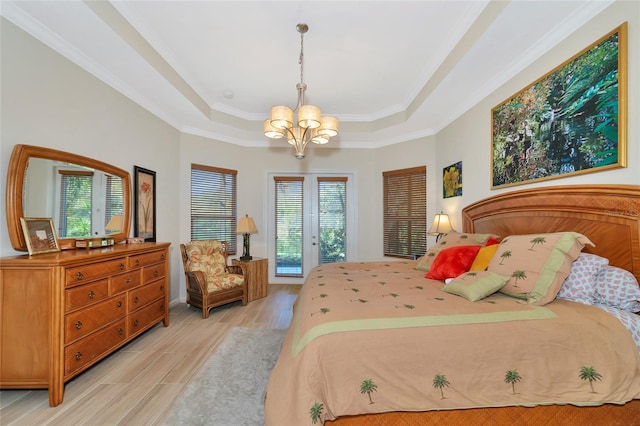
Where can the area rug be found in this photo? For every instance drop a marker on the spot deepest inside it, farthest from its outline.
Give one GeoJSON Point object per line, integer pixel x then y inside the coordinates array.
{"type": "Point", "coordinates": [229, 390]}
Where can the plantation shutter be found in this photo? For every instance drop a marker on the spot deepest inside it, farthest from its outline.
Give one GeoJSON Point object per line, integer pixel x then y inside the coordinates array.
{"type": "Point", "coordinates": [332, 219]}
{"type": "Point", "coordinates": [289, 225]}
{"type": "Point", "coordinates": [213, 205]}
{"type": "Point", "coordinates": [405, 212]}
{"type": "Point", "coordinates": [76, 192]}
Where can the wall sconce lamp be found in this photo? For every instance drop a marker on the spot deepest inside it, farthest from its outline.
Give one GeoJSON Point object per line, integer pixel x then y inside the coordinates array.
{"type": "Point", "coordinates": [246, 227]}
{"type": "Point", "coordinates": [114, 225]}
{"type": "Point", "coordinates": [440, 226]}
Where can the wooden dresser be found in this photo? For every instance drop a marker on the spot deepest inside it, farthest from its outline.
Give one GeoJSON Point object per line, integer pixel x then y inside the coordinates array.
{"type": "Point", "coordinates": [62, 312]}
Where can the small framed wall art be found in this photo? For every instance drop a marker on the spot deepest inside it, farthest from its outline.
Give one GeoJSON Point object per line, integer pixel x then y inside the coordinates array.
{"type": "Point", "coordinates": [40, 235]}
{"type": "Point", "coordinates": [144, 214]}
{"type": "Point", "coordinates": [452, 180]}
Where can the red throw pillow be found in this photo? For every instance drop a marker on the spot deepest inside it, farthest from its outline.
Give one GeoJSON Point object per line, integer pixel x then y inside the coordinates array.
{"type": "Point", "coordinates": [491, 241]}
{"type": "Point", "coordinates": [452, 261]}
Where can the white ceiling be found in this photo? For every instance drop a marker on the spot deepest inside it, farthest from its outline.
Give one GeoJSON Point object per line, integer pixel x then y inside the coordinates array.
{"type": "Point", "coordinates": [391, 71]}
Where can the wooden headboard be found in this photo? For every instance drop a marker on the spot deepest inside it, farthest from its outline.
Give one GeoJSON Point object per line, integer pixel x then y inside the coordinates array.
{"type": "Point", "coordinates": [609, 215]}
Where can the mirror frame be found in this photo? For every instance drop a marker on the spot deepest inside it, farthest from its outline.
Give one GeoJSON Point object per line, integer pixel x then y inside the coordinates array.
{"type": "Point", "coordinates": [15, 190]}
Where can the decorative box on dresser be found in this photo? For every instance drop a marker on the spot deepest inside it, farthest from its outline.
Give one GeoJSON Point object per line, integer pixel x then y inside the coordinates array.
{"type": "Point", "coordinates": [62, 312]}
{"type": "Point", "coordinates": [256, 273]}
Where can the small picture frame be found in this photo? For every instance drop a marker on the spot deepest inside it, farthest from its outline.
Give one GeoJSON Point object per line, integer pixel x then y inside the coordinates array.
{"type": "Point", "coordinates": [144, 212]}
{"type": "Point", "coordinates": [40, 235]}
{"type": "Point", "coordinates": [452, 180]}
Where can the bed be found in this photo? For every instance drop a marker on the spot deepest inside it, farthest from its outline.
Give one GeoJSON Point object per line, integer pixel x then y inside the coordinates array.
{"type": "Point", "coordinates": [378, 343]}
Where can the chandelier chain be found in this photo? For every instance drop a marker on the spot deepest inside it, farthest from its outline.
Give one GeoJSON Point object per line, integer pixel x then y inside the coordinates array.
{"type": "Point", "coordinates": [301, 59]}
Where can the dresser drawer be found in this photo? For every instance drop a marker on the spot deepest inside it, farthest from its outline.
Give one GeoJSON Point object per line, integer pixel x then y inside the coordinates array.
{"type": "Point", "coordinates": [84, 322]}
{"type": "Point", "coordinates": [83, 274]}
{"type": "Point", "coordinates": [86, 350]}
{"type": "Point", "coordinates": [152, 272]}
{"type": "Point", "coordinates": [122, 282]}
{"type": "Point", "coordinates": [141, 319]}
{"type": "Point", "coordinates": [146, 259]}
{"type": "Point", "coordinates": [77, 297]}
{"type": "Point", "coordinates": [148, 293]}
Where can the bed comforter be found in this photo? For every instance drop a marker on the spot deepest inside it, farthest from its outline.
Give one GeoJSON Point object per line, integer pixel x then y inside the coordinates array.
{"type": "Point", "coordinates": [378, 337]}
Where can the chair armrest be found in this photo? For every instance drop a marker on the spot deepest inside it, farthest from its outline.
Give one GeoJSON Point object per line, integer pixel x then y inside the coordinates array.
{"type": "Point", "coordinates": [196, 280]}
{"type": "Point", "coordinates": [235, 269]}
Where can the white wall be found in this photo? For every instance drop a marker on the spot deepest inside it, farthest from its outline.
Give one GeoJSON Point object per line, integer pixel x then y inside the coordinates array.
{"type": "Point", "coordinates": [253, 165]}
{"type": "Point", "coordinates": [48, 101]}
{"type": "Point", "coordinates": [468, 139]}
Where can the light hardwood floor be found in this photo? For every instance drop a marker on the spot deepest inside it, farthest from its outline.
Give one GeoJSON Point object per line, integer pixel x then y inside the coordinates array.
{"type": "Point", "coordinates": [138, 384]}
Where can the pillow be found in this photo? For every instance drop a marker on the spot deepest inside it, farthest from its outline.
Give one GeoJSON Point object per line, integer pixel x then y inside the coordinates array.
{"type": "Point", "coordinates": [491, 241]}
{"type": "Point", "coordinates": [452, 261]}
{"type": "Point", "coordinates": [474, 286]}
{"type": "Point", "coordinates": [483, 258]}
{"type": "Point", "coordinates": [537, 264]}
{"type": "Point", "coordinates": [618, 288]}
{"type": "Point", "coordinates": [451, 239]}
{"type": "Point", "coordinates": [580, 285]}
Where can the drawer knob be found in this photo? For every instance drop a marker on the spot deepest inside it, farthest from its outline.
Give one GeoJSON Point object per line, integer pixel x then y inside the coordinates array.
{"type": "Point", "coordinates": [135, 323]}
{"type": "Point", "coordinates": [137, 262]}
{"type": "Point", "coordinates": [162, 288]}
{"type": "Point", "coordinates": [156, 273]}
{"type": "Point", "coordinates": [79, 276]}
{"type": "Point", "coordinates": [121, 266]}
{"type": "Point", "coordinates": [128, 280]}
{"type": "Point", "coordinates": [119, 304]}
{"type": "Point", "coordinates": [120, 332]}
{"type": "Point", "coordinates": [91, 294]}
{"type": "Point", "coordinates": [78, 356]}
{"type": "Point", "coordinates": [78, 325]}
{"type": "Point", "coordinates": [135, 299]}
{"type": "Point", "coordinates": [162, 256]}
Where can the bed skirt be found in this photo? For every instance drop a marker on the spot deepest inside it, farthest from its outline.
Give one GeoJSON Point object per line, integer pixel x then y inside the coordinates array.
{"type": "Point", "coordinates": [604, 415]}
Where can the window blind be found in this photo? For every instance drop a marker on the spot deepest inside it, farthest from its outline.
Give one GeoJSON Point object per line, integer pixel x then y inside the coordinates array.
{"type": "Point", "coordinates": [332, 218]}
{"type": "Point", "coordinates": [289, 225]}
{"type": "Point", "coordinates": [213, 205]}
{"type": "Point", "coordinates": [405, 212]}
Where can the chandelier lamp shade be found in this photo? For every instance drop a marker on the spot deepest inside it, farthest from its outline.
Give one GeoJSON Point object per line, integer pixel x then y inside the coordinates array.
{"type": "Point", "coordinates": [309, 125]}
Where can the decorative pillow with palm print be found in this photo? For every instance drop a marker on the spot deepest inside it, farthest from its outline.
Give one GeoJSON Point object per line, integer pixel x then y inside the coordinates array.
{"type": "Point", "coordinates": [452, 239]}
{"type": "Point", "coordinates": [537, 264]}
{"type": "Point", "coordinates": [476, 285]}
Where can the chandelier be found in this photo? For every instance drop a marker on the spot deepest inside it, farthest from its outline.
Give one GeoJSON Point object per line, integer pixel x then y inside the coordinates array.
{"type": "Point", "coordinates": [311, 125]}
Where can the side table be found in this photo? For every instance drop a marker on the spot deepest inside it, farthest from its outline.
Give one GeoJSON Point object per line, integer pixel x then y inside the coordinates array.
{"type": "Point", "coordinates": [256, 274]}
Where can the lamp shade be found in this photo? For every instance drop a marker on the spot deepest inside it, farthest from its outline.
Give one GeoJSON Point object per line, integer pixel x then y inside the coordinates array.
{"type": "Point", "coordinates": [272, 132]}
{"type": "Point", "coordinates": [328, 126]}
{"type": "Point", "coordinates": [309, 116]}
{"type": "Point", "coordinates": [281, 117]}
{"type": "Point", "coordinates": [246, 226]}
{"type": "Point", "coordinates": [440, 225]}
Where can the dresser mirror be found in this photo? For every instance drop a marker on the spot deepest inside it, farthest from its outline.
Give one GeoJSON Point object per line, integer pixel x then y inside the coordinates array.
{"type": "Point", "coordinates": [86, 198]}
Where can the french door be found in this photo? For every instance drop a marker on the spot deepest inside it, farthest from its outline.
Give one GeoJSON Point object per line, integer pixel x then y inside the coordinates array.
{"type": "Point", "coordinates": [312, 222]}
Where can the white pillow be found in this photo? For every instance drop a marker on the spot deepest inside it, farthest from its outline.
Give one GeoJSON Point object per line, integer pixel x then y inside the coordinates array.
{"type": "Point", "coordinates": [580, 285]}
{"type": "Point", "coordinates": [617, 287]}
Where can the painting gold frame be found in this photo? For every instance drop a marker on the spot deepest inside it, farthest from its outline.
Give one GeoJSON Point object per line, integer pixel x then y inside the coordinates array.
{"type": "Point", "coordinates": [40, 235]}
{"type": "Point", "coordinates": [571, 121]}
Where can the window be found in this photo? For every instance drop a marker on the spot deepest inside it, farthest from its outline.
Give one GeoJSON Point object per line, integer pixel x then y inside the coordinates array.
{"type": "Point", "coordinates": [76, 193]}
{"type": "Point", "coordinates": [332, 218]}
{"type": "Point", "coordinates": [289, 225]}
{"type": "Point", "coordinates": [213, 205]}
{"type": "Point", "coordinates": [405, 212]}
